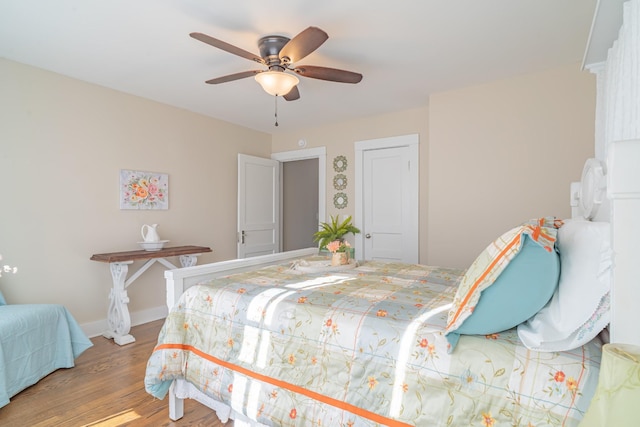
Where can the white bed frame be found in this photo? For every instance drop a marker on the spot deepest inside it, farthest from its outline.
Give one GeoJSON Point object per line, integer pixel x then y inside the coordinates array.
{"type": "Point", "coordinates": [617, 144]}
{"type": "Point", "coordinates": [613, 55]}
{"type": "Point", "coordinates": [180, 279]}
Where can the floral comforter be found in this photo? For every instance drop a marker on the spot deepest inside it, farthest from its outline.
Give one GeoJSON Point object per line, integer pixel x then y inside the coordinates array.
{"type": "Point", "coordinates": [360, 347]}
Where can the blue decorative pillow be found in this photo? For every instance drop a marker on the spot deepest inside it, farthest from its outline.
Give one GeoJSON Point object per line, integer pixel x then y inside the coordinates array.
{"type": "Point", "coordinates": [521, 290]}
{"type": "Point", "coordinates": [2, 300]}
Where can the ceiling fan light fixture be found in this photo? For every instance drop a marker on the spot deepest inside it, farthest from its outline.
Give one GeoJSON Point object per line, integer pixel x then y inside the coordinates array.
{"type": "Point", "coordinates": [276, 83]}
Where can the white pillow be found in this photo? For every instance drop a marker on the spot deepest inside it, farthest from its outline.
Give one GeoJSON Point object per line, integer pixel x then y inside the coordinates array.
{"type": "Point", "coordinates": [579, 309]}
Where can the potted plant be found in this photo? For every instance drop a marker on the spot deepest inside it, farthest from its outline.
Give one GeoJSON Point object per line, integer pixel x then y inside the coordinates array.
{"type": "Point", "coordinates": [334, 230]}
{"type": "Point", "coordinates": [340, 251]}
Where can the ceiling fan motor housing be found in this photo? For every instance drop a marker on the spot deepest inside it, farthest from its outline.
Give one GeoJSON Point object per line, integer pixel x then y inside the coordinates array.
{"type": "Point", "coordinates": [270, 47]}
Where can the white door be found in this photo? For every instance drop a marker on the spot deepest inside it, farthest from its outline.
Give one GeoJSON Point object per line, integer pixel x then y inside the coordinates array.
{"type": "Point", "coordinates": [388, 169]}
{"type": "Point", "coordinates": [258, 206]}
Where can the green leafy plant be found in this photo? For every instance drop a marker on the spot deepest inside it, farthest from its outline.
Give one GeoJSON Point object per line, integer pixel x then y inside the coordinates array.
{"type": "Point", "coordinates": [334, 230]}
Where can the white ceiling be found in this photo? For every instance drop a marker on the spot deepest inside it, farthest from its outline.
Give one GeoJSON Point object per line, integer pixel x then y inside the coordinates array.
{"type": "Point", "coordinates": [406, 49]}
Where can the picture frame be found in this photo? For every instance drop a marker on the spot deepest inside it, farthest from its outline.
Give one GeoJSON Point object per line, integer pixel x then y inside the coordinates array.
{"type": "Point", "coordinates": [340, 181]}
{"type": "Point", "coordinates": [340, 200]}
{"type": "Point", "coordinates": [143, 190]}
{"type": "Point", "coordinates": [340, 164]}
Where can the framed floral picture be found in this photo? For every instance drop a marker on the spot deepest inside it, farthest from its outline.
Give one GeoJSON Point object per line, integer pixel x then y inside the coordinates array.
{"type": "Point", "coordinates": [143, 190]}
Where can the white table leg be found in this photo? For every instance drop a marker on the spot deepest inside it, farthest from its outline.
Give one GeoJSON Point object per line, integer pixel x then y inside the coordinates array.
{"type": "Point", "coordinates": [189, 260]}
{"type": "Point", "coordinates": [118, 319]}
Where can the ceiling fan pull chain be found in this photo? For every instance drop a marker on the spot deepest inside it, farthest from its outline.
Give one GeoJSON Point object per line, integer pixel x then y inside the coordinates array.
{"type": "Point", "coordinates": [276, 97]}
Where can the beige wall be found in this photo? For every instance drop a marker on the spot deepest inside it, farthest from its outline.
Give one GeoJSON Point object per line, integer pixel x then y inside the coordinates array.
{"type": "Point", "coordinates": [502, 153]}
{"type": "Point", "coordinates": [491, 156]}
{"type": "Point", "coordinates": [339, 140]}
{"type": "Point", "coordinates": [62, 144]}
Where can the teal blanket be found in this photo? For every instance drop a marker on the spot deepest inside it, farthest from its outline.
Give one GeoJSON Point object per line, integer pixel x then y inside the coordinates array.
{"type": "Point", "coordinates": [35, 340]}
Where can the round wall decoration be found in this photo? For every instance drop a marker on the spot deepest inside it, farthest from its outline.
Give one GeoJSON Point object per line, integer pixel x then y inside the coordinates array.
{"type": "Point", "coordinates": [340, 164]}
{"type": "Point", "coordinates": [340, 181]}
{"type": "Point", "coordinates": [340, 200]}
{"type": "Point", "coordinates": [593, 188]}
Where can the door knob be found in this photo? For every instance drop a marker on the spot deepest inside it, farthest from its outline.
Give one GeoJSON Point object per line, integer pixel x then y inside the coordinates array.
{"type": "Point", "coordinates": [368, 236]}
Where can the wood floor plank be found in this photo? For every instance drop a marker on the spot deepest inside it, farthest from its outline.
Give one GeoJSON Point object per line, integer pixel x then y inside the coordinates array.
{"type": "Point", "coordinates": [104, 389]}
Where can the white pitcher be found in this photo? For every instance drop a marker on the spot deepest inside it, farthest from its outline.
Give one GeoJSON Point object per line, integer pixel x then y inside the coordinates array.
{"type": "Point", "coordinates": [150, 233]}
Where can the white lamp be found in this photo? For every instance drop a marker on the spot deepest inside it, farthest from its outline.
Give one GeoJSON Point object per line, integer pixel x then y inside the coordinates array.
{"type": "Point", "coordinates": [276, 83]}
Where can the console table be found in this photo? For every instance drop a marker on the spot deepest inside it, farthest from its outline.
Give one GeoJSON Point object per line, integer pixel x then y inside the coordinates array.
{"type": "Point", "coordinates": [118, 319]}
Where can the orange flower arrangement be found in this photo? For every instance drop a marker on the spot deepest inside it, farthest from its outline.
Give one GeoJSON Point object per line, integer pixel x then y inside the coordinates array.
{"type": "Point", "coordinates": [338, 246]}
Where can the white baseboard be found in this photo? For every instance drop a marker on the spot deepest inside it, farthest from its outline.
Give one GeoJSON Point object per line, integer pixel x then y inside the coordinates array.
{"type": "Point", "coordinates": [94, 329]}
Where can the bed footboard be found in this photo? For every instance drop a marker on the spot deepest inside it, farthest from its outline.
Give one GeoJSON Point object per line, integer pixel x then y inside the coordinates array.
{"type": "Point", "coordinates": [178, 280]}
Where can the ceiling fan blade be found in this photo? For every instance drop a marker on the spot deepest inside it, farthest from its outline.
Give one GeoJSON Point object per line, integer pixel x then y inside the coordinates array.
{"type": "Point", "coordinates": [303, 44]}
{"type": "Point", "coordinates": [331, 74]}
{"type": "Point", "coordinates": [226, 47]}
{"type": "Point", "coordinates": [293, 94]}
{"type": "Point", "coordinates": [232, 77]}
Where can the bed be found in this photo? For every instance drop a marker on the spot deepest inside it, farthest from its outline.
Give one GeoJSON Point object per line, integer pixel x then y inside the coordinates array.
{"type": "Point", "coordinates": [35, 340]}
{"type": "Point", "coordinates": [270, 341]}
{"type": "Point", "coordinates": [277, 346]}
{"type": "Point", "coordinates": [288, 339]}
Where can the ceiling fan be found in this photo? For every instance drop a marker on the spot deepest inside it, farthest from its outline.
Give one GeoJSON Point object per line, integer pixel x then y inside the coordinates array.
{"type": "Point", "coordinates": [279, 54]}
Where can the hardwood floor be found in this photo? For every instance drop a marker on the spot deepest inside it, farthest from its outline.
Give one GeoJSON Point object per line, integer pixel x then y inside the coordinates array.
{"type": "Point", "coordinates": [104, 389]}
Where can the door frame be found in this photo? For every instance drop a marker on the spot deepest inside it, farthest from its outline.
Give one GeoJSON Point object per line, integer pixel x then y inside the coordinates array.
{"type": "Point", "coordinates": [319, 153]}
{"type": "Point", "coordinates": [411, 141]}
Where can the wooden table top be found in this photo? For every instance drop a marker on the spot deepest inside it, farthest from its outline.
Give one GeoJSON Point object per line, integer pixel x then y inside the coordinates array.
{"type": "Point", "coordinates": [142, 254]}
